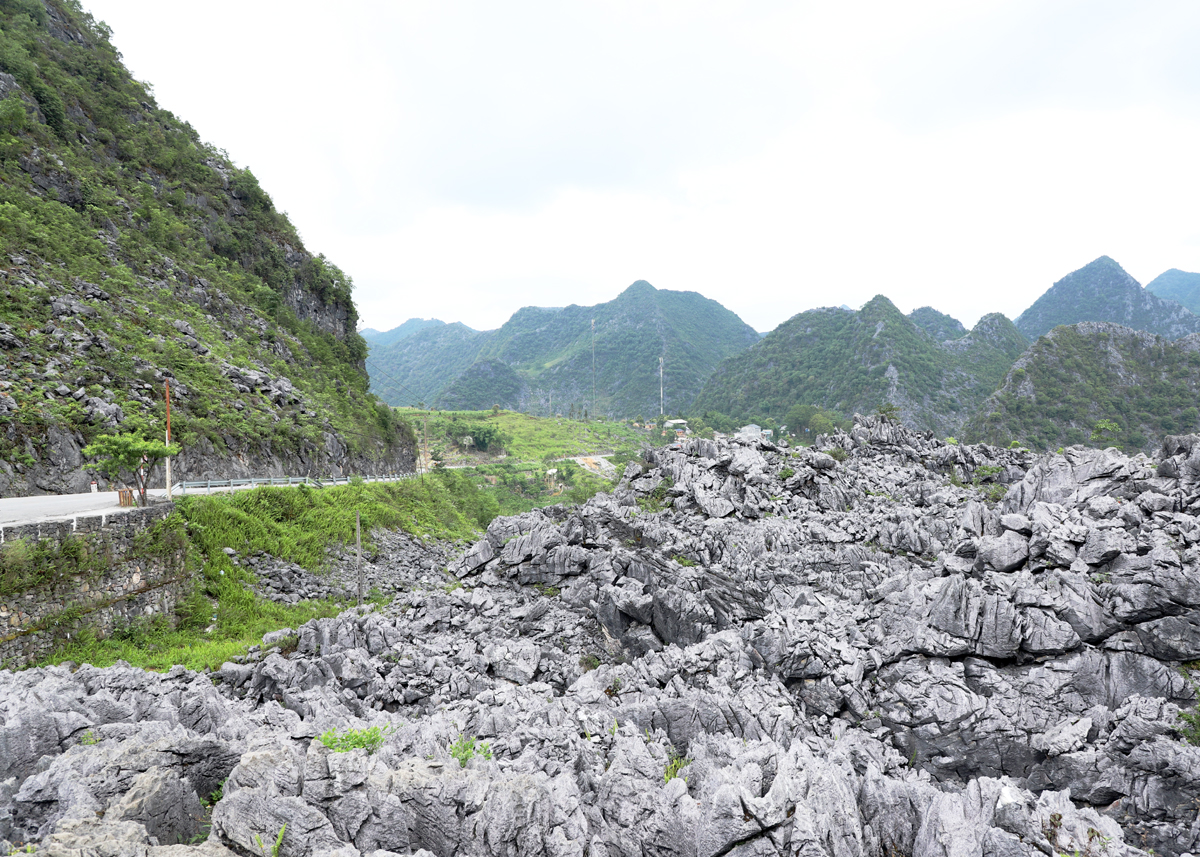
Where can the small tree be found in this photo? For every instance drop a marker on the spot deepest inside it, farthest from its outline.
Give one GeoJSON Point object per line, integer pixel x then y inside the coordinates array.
{"type": "Point", "coordinates": [1105, 432]}
{"type": "Point", "coordinates": [889, 411]}
{"type": "Point", "coordinates": [135, 452]}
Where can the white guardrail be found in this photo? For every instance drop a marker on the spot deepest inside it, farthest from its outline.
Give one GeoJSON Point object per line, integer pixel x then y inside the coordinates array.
{"type": "Point", "coordinates": [208, 485]}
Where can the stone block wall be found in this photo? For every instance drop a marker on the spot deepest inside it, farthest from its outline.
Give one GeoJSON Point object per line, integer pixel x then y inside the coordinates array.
{"type": "Point", "coordinates": [130, 585]}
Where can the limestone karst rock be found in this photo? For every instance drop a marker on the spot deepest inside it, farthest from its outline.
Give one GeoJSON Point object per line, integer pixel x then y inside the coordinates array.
{"type": "Point", "coordinates": [873, 656]}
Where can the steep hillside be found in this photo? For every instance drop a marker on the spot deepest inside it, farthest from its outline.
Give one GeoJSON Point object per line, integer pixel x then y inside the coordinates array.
{"type": "Point", "coordinates": [387, 337]}
{"type": "Point", "coordinates": [855, 361]}
{"type": "Point", "coordinates": [1182, 287]}
{"type": "Point", "coordinates": [937, 324]}
{"type": "Point", "coordinates": [549, 352]}
{"type": "Point", "coordinates": [1102, 291]}
{"type": "Point", "coordinates": [416, 369]}
{"type": "Point", "coordinates": [1075, 376]}
{"type": "Point", "coordinates": [484, 384]}
{"type": "Point", "coordinates": [132, 252]}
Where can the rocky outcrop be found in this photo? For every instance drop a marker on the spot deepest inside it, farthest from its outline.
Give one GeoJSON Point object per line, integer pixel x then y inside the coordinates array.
{"type": "Point", "coordinates": [743, 650]}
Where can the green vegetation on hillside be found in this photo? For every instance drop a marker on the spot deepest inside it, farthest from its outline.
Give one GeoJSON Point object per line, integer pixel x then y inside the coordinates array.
{"type": "Point", "coordinates": [541, 354]}
{"type": "Point", "coordinates": [844, 362]}
{"type": "Point", "coordinates": [1183, 287]}
{"type": "Point", "coordinates": [937, 324]}
{"type": "Point", "coordinates": [296, 524]}
{"type": "Point", "coordinates": [1102, 291]}
{"type": "Point", "coordinates": [1076, 376]}
{"type": "Point", "coordinates": [131, 251]}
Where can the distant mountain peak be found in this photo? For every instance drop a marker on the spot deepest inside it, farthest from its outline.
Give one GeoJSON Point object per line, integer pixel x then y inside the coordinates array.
{"type": "Point", "coordinates": [637, 288]}
{"type": "Point", "coordinates": [1177, 285]}
{"type": "Point", "coordinates": [1103, 291]}
{"type": "Point", "coordinates": [937, 324]}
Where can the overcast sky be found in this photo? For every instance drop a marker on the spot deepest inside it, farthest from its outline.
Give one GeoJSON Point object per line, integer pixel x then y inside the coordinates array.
{"type": "Point", "coordinates": [461, 160]}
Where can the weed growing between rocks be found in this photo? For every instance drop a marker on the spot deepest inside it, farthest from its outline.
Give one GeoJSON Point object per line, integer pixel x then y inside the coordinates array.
{"type": "Point", "coordinates": [465, 749]}
{"type": "Point", "coordinates": [273, 850]}
{"type": "Point", "coordinates": [675, 764]}
{"type": "Point", "coordinates": [343, 741]}
{"type": "Point", "coordinates": [1190, 720]}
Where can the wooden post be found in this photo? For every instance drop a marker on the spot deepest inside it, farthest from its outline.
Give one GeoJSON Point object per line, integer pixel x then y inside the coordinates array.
{"type": "Point", "coordinates": [358, 545]}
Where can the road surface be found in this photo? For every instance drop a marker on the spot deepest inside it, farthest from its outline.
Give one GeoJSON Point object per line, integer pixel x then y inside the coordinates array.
{"type": "Point", "coordinates": [60, 507]}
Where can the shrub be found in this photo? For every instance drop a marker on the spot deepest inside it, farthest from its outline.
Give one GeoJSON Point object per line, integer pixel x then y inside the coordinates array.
{"type": "Point", "coordinates": [465, 749]}
{"type": "Point", "coordinates": [370, 739]}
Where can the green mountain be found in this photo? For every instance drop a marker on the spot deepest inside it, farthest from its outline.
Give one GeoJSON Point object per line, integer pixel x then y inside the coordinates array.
{"type": "Point", "coordinates": [1102, 291]}
{"type": "Point", "coordinates": [132, 252]}
{"type": "Point", "coordinates": [548, 353]}
{"type": "Point", "coordinates": [387, 337]}
{"type": "Point", "coordinates": [1077, 375]}
{"type": "Point", "coordinates": [937, 324]}
{"type": "Point", "coordinates": [1179, 286]}
{"type": "Point", "coordinates": [856, 361]}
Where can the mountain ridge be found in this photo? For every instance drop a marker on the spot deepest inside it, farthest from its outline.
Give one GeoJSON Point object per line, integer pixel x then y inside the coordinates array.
{"type": "Point", "coordinates": [1102, 291]}
{"type": "Point", "coordinates": [549, 353]}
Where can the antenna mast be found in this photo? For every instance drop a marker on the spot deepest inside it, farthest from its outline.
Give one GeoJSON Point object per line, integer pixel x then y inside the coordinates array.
{"type": "Point", "coordinates": [660, 386]}
{"type": "Point", "coordinates": [593, 368]}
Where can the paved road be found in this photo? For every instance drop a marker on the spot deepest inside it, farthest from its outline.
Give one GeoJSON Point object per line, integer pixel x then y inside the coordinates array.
{"type": "Point", "coordinates": [60, 507]}
{"type": "Point", "coordinates": [64, 507]}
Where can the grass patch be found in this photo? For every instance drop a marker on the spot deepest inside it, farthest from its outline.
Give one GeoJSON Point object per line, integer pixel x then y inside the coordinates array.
{"type": "Point", "coordinates": [529, 438]}
{"type": "Point", "coordinates": [222, 617]}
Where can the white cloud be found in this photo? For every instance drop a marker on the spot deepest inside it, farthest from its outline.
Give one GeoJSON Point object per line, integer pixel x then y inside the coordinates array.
{"type": "Point", "coordinates": [461, 160]}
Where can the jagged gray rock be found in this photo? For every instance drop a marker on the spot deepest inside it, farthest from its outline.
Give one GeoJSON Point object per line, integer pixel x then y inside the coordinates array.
{"type": "Point", "coordinates": [872, 656]}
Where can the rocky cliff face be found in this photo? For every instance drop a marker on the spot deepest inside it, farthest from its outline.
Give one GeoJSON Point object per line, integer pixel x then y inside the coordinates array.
{"type": "Point", "coordinates": [896, 646]}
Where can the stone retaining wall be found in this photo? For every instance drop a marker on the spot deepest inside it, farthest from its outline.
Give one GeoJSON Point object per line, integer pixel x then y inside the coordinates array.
{"type": "Point", "coordinates": [131, 585]}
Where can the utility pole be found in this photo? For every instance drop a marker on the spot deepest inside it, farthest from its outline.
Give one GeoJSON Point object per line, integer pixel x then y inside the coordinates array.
{"type": "Point", "coordinates": [660, 385]}
{"type": "Point", "coordinates": [593, 368]}
{"type": "Point", "coordinates": [167, 387]}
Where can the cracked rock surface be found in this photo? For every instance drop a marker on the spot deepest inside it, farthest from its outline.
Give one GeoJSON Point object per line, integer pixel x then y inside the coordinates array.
{"type": "Point", "coordinates": [743, 650]}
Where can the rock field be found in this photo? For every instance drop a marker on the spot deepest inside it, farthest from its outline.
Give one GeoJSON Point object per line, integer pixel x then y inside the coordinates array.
{"type": "Point", "coordinates": [922, 649]}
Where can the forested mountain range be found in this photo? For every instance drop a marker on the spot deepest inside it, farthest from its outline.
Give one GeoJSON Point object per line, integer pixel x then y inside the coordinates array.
{"type": "Point", "coordinates": [1077, 375]}
{"type": "Point", "coordinates": [543, 354]}
{"type": "Point", "coordinates": [850, 361]}
{"type": "Point", "coordinates": [132, 252]}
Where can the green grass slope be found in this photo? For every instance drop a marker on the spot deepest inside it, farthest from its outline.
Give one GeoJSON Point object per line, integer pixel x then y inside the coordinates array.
{"type": "Point", "coordinates": [131, 251]}
{"type": "Point", "coordinates": [1077, 375]}
{"type": "Point", "coordinates": [1102, 291]}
